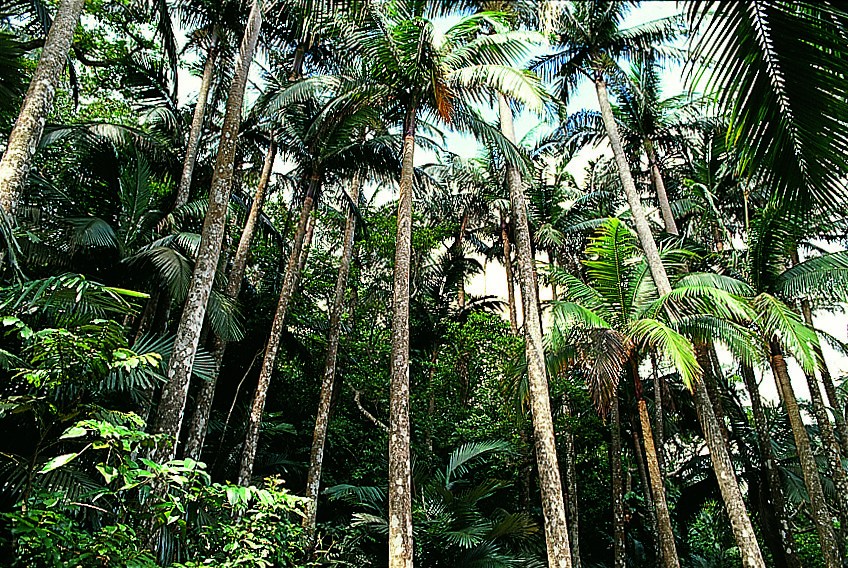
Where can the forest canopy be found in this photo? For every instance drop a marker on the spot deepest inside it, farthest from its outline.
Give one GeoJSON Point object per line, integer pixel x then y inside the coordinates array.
{"type": "Point", "coordinates": [396, 283]}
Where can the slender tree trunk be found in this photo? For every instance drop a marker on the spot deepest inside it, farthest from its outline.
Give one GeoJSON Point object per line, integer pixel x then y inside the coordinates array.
{"type": "Point", "coordinates": [510, 281]}
{"type": "Point", "coordinates": [553, 509]}
{"type": "Point", "coordinates": [172, 407]}
{"type": "Point", "coordinates": [304, 254]}
{"type": "Point", "coordinates": [197, 120]}
{"type": "Point", "coordinates": [206, 395]}
{"type": "Point", "coordinates": [788, 547]}
{"type": "Point", "coordinates": [643, 229]}
{"type": "Point", "coordinates": [818, 506]}
{"type": "Point", "coordinates": [650, 506]}
{"type": "Point", "coordinates": [830, 445]}
{"type": "Point", "coordinates": [619, 547]}
{"type": "Point", "coordinates": [659, 421]}
{"type": "Point", "coordinates": [830, 390]}
{"type": "Point", "coordinates": [662, 196]}
{"type": "Point", "coordinates": [322, 418]}
{"type": "Point", "coordinates": [400, 466]}
{"type": "Point", "coordinates": [431, 405]}
{"type": "Point", "coordinates": [251, 438]}
{"type": "Point", "coordinates": [666, 536]}
{"type": "Point", "coordinates": [740, 523]}
{"type": "Point", "coordinates": [525, 470]}
{"type": "Point", "coordinates": [572, 505]}
{"type": "Point", "coordinates": [37, 105]}
{"type": "Point", "coordinates": [660, 278]}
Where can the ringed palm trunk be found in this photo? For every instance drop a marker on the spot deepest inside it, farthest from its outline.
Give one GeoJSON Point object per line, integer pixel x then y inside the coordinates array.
{"type": "Point", "coordinates": [749, 550]}
{"type": "Point", "coordinates": [818, 506]}
{"type": "Point", "coordinates": [830, 443]}
{"type": "Point", "coordinates": [642, 469]}
{"type": "Point", "coordinates": [510, 280]}
{"type": "Point", "coordinates": [550, 484]}
{"type": "Point", "coordinates": [659, 184]}
{"type": "Point", "coordinates": [400, 467]}
{"type": "Point", "coordinates": [572, 505]}
{"type": "Point", "coordinates": [734, 504]}
{"type": "Point", "coordinates": [20, 148]}
{"type": "Point", "coordinates": [322, 418]}
{"type": "Point", "coordinates": [619, 549]}
{"type": "Point", "coordinates": [197, 120]}
{"type": "Point", "coordinates": [666, 535]}
{"type": "Point", "coordinates": [788, 547]}
{"type": "Point", "coordinates": [170, 413]}
{"type": "Point", "coordinates": [200, 419]}
{"type": "Point", "coordinates": [251, 438]}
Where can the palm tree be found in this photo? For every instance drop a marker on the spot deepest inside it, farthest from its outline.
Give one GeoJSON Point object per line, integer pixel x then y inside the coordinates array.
{"type": "Point", "coordinates": [20, 148]}
{"type": "Point", "coordinates": [773, 242]}
{"type": "Point", "coordinates": [321, 129]}
{"type": "Point", "coordinates": [592, 40]}
{"type": "Point", "coordinates": [618, 309]}
{"type": "Point", "coordinates": [441, 75]}
{"type": "Point", "coordinates": [169, 415]}
{"type": "Point", "coordinates": [322, 417]}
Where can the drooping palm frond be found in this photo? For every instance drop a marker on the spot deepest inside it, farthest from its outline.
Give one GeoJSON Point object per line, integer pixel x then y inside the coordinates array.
{"type": "Point", "coordinates": [777, 69]}
{"type": "Point", "coordinates": [66, 295]}
{"type": "Point", "coordinates": [778, 320]}
{"type": "Point", "coordinates": [822, 278]}
{"type": "Point", "coordinates": [459, 458]}
{"type": "Point", "coordinates": [664, 339]}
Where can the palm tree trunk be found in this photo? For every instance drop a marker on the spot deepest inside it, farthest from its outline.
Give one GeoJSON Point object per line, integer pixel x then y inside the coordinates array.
{"type": "Point", "coordinates": [510, 281]}
{"type": "Point", "coordinates": [749, 548]}
{"type": "Point", "coordinates": [829, 443]}
{"type": "Point", "coordinates": [836, 405]}
{"type": "Point", "coordinates": [830, 390]}
{"type": "Point", "coordinates": [788, 547]}
{"type": "Point", "coordinates": [818, 506]}
{"type": "Point", "coordinates": [666, 536]}
{"type": "Point", "coordinates": [400, 465]}
{"type": "Point", "coordinates": [20, 148]}
{"type": "Point", "coordinates": [431, 406]}
{"type": "Point", "coordinates": [200, 419]}
{"type": "Point", "coordinates": [553, 508]}
{"type": "Point", "coordinates": [197, 120]}
{"type": "Point", "coordinates": [328, 383]}
{"type": "Point", "coordinates": [304, 254]}
{"type": "Point", "coordinates": [572, 506]}
{"type": "Point", "coordinates": [643, 229]}
{"type": "Point", "coordinates": [251, 438]}
{"type": "Point", "coordinates": [659, 421]}
{"type": "Point", "coordinates": [172, 406]}
{"type": "Point", "coordinates": [740, 522]}
{"type": "Point", "coordinates": [662, 196]}
{"type": "Point", "coordinates": [525, 468]}
{"type": "Point", "coordinates": [639, 455]}
{"type": "Point", "coordinates": [619, 549]}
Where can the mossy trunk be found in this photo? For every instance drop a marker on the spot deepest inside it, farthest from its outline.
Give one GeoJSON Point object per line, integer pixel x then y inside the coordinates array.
{"type": "Point", "coordinates": [400, 465]}
{"type": "Point", "coordinates": [38, 103]}
{"type": "Point", "coordinates": [172, 406]}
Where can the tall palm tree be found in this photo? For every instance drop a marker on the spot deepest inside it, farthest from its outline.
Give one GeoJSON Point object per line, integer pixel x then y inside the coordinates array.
{"type": "Point", "coordinates": [592, 40]}
{"type": "Point", "coordinates": [20, 148]}
{"type": "Point", "coordinates": [772, 243]}
{"type": "Point", "coordinates": [328, 382]}
{"type": "Point", "coordinates": [169, 417]}
{"type": "Point", "coordinates": [423, 72]}
{"type": "Point", "coordinates": [322, 130]}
